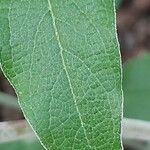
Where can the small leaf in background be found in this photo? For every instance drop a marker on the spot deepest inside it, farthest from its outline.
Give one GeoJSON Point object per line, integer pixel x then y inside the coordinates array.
{"type": "Point", "coordinates": [21, 145]}
{"type": "Point", "coordinates": [8, 100]}
{"type": "Point", "coordinates": [136, 87]}
{"type": "Point", "coordinates": [118, 2]}
{"type": "Point", "coordinates": [63, 59]}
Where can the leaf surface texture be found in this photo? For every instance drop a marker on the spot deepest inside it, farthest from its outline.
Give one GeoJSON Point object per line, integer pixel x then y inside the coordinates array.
{"type": "Point", "coordinates": [62, 57]}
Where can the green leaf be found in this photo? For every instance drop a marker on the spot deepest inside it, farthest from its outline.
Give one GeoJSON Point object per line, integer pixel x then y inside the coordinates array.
{"type": "Point", "coordinates": [118, 2]}
{"type": "Point", "coordinates": [136, 86]}
{"type": "Point", "coordinates": [8, 100]}
{"type": "Point", "coordinates": [21, 145]}
{"type": "Point", "coordinates": [62, 57]}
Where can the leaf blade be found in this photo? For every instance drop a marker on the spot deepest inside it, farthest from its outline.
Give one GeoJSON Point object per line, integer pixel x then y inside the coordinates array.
{"type": "Point", "coordinates": [136, 91]}
{"type": "Point", "coordinates": [61, 61]}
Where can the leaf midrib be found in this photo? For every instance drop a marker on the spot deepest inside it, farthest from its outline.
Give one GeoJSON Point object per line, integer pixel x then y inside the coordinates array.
{"type": "Point", "coordinates": [65, 68]}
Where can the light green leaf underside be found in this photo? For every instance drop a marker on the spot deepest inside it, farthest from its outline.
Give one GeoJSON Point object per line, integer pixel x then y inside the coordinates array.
{"type": "Point", "coordinates": [62, 58]}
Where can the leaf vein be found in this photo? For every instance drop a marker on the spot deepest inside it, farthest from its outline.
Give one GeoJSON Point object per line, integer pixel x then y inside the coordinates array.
{"type": "Point", "coordinates": [67, 74]}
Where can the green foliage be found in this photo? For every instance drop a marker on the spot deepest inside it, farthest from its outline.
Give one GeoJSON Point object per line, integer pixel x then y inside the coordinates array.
{"type": "Point", "coordinates": [136, 86]}
{"type": "Point", "coordinates": [118, 2]}
{"type": "Point", "coordinates": [62, 58]}
{"type": "Point", "coordinates": [21, 145]}
{"type": "Point", "coordinates": [8, 100]}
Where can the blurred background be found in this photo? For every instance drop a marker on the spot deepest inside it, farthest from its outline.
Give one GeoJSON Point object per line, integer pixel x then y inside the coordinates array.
{"type": "Point", "coordinates": [133, 24]}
